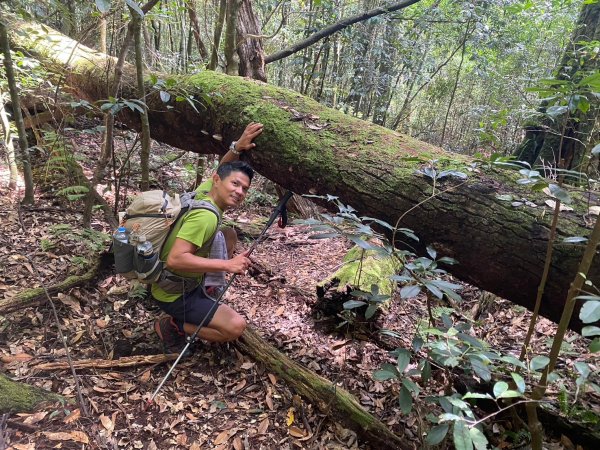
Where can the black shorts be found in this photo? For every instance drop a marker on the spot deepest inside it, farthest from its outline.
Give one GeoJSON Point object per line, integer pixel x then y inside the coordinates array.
{"type": "Point", "coordinates": [193, 307]}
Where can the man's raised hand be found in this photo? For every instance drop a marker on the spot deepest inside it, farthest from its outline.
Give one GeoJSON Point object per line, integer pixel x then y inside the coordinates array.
{"type": "Point", "coordinates": [244, 143]}
{"type": "Point", "coordinates": [239, 264]}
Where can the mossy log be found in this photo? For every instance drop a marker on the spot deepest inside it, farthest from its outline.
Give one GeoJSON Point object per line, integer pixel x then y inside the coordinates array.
{"type": "Point", "coordinates": [329, 399]}
{"type": "Point", "coordinates": [30, 297]}
{"type": "Point", "coordinates": [309, 148]}
{"type": "Point", "coordinates": [21, 397]}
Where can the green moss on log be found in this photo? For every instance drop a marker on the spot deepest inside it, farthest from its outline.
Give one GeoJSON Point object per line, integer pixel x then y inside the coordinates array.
{"type": "Point", "coordinates": [20, 397]}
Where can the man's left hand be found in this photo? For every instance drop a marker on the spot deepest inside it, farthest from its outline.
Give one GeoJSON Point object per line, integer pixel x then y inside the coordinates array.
{"type": "Point", "coordinates": [244, 143]}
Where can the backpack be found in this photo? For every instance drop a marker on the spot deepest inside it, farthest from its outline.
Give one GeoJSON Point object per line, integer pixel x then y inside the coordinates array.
{"type": "Point", "coordinates": [153, 214]}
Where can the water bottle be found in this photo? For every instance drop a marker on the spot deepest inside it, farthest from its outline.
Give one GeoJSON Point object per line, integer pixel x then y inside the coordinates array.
{"type": "Point", "coordinates": [121, 235]}
{"type": "Point", "coordinates": [144, 247]}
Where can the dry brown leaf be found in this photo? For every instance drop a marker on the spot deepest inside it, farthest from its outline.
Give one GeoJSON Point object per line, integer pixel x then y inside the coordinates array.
{"type": "Point", "coordinates": [272, 378]}
{"type": "Point", "coordinates": [101, 323]}
{"type": "Point", "coordinates": [264, 426]}
{"type": "Point", "coordinates": [35, 418]}
{"type": "Point", "coordinates": [77, 337]}
{"type": "Point", "coordinates": [222, 437]}
{"type": "Point", "coordinates": [70, 301]}
{"type": "Point", "coordinates": [239, 386]}
{"type": "Point", "coordinates": [238, 444]}
{"type": "Point", "coordinates": [144, 377]}
{"type": "Point", "coordinates": [552, 204]}
{"type": "Point", "coordinates": [269, 401]}
{"type": "Point", "coordinates": [195, 446]}
{"type": "Point", "coordinates": [280, 311]}
{"type": "Point", "coordinates": [107, 423]}
{"type": "Point", "coordinates": [296, 432]}
{"type": "Point", "coordinates": [75, 415]}
{"type": "Point", "coordinates": [248, 365]}
{"type": "Point", "coordinates": [182, 439]}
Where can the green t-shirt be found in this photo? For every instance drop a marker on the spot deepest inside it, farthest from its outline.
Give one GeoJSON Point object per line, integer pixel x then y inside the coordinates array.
{"type": "Point", "coordinates": [197, 227]}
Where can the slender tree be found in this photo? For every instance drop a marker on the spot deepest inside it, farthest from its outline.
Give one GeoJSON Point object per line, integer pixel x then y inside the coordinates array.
{"type": "Point", "coordinates": [28, 198]}
{"type": "Point", "coordinates": [8, 144]}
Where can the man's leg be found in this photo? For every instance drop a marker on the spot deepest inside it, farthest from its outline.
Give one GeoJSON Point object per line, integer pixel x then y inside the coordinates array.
{"type": "Point", "coordinates": [226, 325]}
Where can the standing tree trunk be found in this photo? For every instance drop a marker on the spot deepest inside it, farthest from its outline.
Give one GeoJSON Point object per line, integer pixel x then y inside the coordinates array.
{"type": "Point", "coordinates": [10, 148]}
{"type": "Point", "coordinates": [249, 47]}
{"type": "Point", "coordinates": [541, 143]}
{"type": "Point", "coordinates": [141, 93]}
{"type": "Point", "coordinates": [231, 57]}
{"type": "Point", "coordinates": [309, 148]}
{"type": "Point", "coordinates": [18, 116]}
{"type": "Point", "coordinates": [190, 5]}
{"type": "Point", "coordinates": [214, 55]}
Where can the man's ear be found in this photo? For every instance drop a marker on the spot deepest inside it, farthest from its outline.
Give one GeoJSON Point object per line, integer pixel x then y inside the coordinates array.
{"type": "Point", "coordinates": [215, 177]}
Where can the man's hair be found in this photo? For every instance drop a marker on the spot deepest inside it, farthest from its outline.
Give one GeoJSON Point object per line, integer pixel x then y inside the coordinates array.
{"type": "Point", "coordinates": [227, 168]}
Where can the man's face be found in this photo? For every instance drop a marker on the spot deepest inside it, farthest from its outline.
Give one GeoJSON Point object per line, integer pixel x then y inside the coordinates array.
{"type": "Point", "coordinates": [230, 191]}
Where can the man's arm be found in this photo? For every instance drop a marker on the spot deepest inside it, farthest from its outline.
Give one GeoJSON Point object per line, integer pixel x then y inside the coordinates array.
{"type": "Point", "coordinates": [244, 143]}
{"type": "Point", "coordinates": [182, 258]}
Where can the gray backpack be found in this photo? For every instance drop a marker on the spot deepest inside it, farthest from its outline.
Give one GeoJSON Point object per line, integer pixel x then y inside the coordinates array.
{"type": "Point", "coordinates": [153, 214]}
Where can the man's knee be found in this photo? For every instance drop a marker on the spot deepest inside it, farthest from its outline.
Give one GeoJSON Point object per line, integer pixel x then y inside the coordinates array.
{"type": "Point", "coordinates": [236, 327]}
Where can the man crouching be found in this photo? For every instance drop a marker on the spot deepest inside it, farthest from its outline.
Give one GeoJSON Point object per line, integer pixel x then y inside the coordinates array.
{"type": "Point", "coordinates": [197, 250]}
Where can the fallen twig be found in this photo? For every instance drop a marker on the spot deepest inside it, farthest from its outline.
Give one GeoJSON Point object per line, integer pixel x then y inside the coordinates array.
{"type": "Point", "coordinates": [126, 361]}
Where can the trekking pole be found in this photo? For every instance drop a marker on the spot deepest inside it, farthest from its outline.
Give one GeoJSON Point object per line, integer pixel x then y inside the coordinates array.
{"type": "Point", "coordinates": [279, 211]}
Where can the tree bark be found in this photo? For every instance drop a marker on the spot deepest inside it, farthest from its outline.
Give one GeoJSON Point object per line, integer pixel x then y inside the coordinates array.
{"type": "Point", "coordinates": [309, 148]}
{"type": "Point", "coordinates": [214, 55]}
{"type": "Point", "coordinates": [8, 144]}
{"type": "Point", "coordinates": [330, 399]}
{"type": "Point", "coordinates": [249, 46]}
{"type": "Point", "coordinates": [231, 58]}
{"type": "Point", "coordinates": [334, 28]}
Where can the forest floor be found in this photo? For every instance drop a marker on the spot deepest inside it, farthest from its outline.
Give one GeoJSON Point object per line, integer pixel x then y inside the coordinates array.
{"type": "Point", "coordinates": [218, 398]}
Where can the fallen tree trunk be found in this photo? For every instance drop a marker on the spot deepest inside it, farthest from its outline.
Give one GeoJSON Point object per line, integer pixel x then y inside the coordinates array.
{"type": "Point", "coordinates": [309, 148]}
{"type": "Point", "coordinates": [30, 297]}
{"type": "Point", "coordinates": [330, 399]}
{"type": "Point", "coordinates": [21, 397]}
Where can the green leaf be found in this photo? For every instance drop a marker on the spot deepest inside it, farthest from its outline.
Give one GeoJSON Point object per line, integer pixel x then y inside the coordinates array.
{"type": "Point", "coordinates": [499, 388]}
{"type": "Point", "coordinates": [411, 386]}
{"type": "Point", "coordinates": [426, 372]}
{"type": "Point", "coordinates": [476, 395]}
{"type": "Point", "coordinates": [165, 96]}
{"type": "Point", "coordinates": [479, 440]}
{"type": "Point", "coordinates": [510, 394]}
{"type": "Point", "coordinates": [596, 150]}
{"type": "Point", "coordinates": [460, 404]}
{"type": "Point", "coordinates": [583, 369]}
{"type": "Point", "coordinates": [387, 372]}
{"type": "Point", "coordinates": [595, 345]}
{"type": "Point", "coordinates": [133, 5]}
{"type": "Point", "coordinates": [539, 362]}
{"type": "Point", "coordinates": [590, 330]}
{"type": "Point", "coordinates": [505, 197]}
{"type": "Point", "coordinates": [371, 310]}
{"type": "Point", "coordinates": [437, 434]}
{"type": "Point", "coordinates": [519, 381]}
{"type": "Point", "coordinates": [103, 5]}
{"type": "Point", "coordinates": [590, 311]}
{"type": "Point", "coordinates": [559, 193]}
{"type": "Point", "coordinates": [403, 359]}
{"type": "Point", "coordinates": [433, 289]}
{"type": "Point", "coordinates": [405, 400]}
{"type": "Point", "coordinates": [410, 291]}
{"type": "Point", "coordinates": [481, 369]}
{"type": "Point", "coordinates": [462, 436]}
{"type": "Point", "coordinates": [351, 304]}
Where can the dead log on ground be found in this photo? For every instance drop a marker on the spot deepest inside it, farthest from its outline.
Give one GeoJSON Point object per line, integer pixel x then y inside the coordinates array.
{"type": "Point", "coordinates": [128, 361]}
{"type": "Point", "coordinates": [21, 397]}
{"type": "Point", "coordinates": [321, 392]}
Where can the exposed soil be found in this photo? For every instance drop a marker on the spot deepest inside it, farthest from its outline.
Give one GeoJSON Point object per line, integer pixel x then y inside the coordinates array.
{"type": "Point", "coordinates": [217, 398]}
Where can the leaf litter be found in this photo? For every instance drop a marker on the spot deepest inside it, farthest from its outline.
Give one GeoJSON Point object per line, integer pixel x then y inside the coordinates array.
{"type": "Point", "coordinates": [218, 398]}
